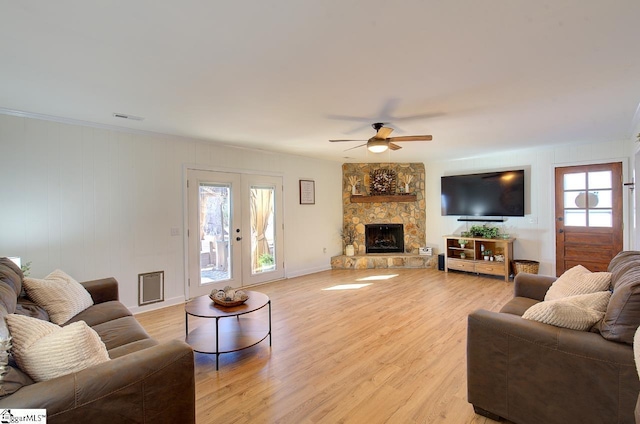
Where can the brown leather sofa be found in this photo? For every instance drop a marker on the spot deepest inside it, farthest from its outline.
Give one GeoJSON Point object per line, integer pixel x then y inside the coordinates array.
{"type": "Point", "coordinates": [530, 373]}
{"type": "Point", "coordinates": [143, 382]}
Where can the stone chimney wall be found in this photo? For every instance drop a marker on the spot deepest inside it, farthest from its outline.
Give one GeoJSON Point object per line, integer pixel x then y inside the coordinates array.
{"type": "Point", "coordinates": [412, 214]}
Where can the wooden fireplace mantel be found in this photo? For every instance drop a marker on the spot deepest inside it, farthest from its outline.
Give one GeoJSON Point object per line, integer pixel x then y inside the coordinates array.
{"type": "Point", "coordinates": [384, 199]}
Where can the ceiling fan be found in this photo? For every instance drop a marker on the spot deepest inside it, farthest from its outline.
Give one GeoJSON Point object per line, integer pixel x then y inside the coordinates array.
{"type": "Point", "coordinates": [381, 141]}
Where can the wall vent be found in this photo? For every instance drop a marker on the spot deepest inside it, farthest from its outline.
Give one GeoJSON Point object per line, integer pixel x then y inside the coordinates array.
{"type": "Point", "coordinates": [150, 287]}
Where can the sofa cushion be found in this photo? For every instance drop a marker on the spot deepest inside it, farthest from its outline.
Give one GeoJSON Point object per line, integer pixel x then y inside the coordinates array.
{"type": "Point", "coordinates": [29, 308]}
{"type": "Point", "coordinates": [13, 380]}
{"type": "Point", "coordinates": [45, 351]}
{"type": "Point", "coordinates": [121, 331]}
{"type": "Point", "coordinates": [59, 294]}
{"type": "Point", "coordinates": [578, 280]}
{"type": "Point", "coordinates": [128, 348]}
{"type": "Point", "coordinates": [622, 317]}
{"type": "Point", "coordinates": [579, 312]}
{"type": "Point", "coordinates": [10, 284]}
{"type": "Point", "coordinates": [101, 312]}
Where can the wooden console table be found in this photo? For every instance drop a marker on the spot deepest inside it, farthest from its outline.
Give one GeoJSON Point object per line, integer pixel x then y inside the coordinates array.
{"type": "Point", "coordinates": [470, 259]}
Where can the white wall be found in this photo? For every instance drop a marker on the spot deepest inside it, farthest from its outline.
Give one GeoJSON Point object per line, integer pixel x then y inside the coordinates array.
{"type": "Point", "coordinates": [97, 202]}
{"type": "Point", "coordinates": [535, 232]}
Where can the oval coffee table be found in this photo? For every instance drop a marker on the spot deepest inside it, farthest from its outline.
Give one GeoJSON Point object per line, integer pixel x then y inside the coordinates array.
{"type": "Point", "coordinates": [234, 333]}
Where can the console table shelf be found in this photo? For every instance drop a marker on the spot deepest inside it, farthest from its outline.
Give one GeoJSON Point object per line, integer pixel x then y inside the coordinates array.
{"type": "Point", "coordinates": [384, 199]}
{"type": "Point", "coordinates": [470, 259]}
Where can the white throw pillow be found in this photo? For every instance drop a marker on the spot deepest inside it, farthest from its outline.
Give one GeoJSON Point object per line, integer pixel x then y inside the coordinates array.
{"type": "Point", "coordinates": [45, 350]}
{"type": "Point", "coordinates": [579, 312]}
{"type": "Point", "coordinates": [578, 280]}
{"type": "Point", "coordinates": [59, 294]}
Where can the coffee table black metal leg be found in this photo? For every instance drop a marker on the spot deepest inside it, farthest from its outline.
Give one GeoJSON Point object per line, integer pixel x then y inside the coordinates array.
{"type": "Point", "coordinates": [270, 334]}
{"type": "Point", "coordinates": [217, 344]}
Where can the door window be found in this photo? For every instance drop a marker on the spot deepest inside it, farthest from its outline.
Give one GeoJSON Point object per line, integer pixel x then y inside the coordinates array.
{"type": "Point", "coordinates": [214, 231]}
{"type": "Point", "coordinates": [588, 199]}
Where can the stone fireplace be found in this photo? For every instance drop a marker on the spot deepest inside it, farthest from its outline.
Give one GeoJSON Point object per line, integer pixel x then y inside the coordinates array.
{"type": "Point", "coordinates": [404, 207]}
{"type": "Point", "coordinates": [379, 203]}
{"type": "Point", "coordinates": [384, 238]}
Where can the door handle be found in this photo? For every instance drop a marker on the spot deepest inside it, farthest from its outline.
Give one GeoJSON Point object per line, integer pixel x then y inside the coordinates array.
{"type": "Point", "coordinates": [561, 230]}
{"type": "Point", "coordinates": [238, 238]}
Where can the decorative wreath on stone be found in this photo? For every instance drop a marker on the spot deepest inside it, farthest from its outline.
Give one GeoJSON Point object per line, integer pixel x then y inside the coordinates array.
{"type": "Point", "coordinates": [382, 182]}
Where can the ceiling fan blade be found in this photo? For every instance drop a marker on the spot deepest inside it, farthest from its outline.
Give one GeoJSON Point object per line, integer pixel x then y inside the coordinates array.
{"type": "Point", "coordinates": [394, 146]}
{"type": "Point", "coordinates": [383, 132]}
{"type": "Point", "coordinates": [412, 138]}
{"type": "Point", "coordinates": [351, 148]}
{"type": "Point", "coordinates": [340, 141]}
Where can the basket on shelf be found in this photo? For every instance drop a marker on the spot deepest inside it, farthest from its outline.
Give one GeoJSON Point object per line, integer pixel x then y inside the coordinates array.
{"type": "Point", "coordinates": [524, 265]}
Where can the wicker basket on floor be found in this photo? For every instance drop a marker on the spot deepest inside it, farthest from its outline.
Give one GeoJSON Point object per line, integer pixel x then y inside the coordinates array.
{"type": "Point", "coordinates": [523, 265]}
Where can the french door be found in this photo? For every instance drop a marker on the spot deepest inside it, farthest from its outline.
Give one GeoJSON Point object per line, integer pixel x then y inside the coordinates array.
{"type": "Point", "coordinates": [588, 215]}
{"type": "Point", "coordinates": [234, 230]}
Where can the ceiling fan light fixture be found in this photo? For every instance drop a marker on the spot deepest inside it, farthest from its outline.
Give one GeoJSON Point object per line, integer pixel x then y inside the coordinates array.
{"type": "Point", "coordinates": [377, 146]}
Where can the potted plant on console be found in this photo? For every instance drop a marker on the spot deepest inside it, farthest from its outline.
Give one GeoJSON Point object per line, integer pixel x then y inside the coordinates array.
{"type": "Point", "coordinates": [463, 242]}
{"type": "Point", "coordinates": [484, 231]}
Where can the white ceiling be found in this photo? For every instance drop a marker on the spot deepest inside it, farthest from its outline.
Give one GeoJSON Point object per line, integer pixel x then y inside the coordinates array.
{"type": "Point", "coordinates": [287, 75]}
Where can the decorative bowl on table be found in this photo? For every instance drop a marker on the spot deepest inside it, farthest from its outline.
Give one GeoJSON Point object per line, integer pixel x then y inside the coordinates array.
{"type": "Point", "coordinates": [228, 297]}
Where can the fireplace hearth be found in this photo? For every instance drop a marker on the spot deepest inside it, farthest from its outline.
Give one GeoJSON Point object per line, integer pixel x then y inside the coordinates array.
{"type": "Point", "coordinates": [384, 238]}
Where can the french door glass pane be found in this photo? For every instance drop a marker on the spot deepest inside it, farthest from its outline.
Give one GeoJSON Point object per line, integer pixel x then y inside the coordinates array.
{"type": "Point", "coordinates": [214, 232]}
{"type": "Point", "coordinates": [601, 179]}
{"type": "Point", "coordinates": [600, 218]}
{"type": "Point", "coordinates": [262, 229]}
{"type": "Point", "coordinates": [575, 181]}
{"type": "Point", "coordinates": [575, 218]}
{"type": "Point", "coordinates": [600, 199]}
{"type": "Point", "coordinates": [571, 199]}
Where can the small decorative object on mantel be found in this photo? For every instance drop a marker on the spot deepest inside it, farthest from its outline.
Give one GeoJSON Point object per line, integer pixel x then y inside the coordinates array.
{"type": "Point", "coordinates": [228, 297]}
{"type": "Point", "coordinates": [406, 180]}
{"type": "Point", "coordinates": [353, 180]}
{"type": "Point", "coordinates": [383, 182]}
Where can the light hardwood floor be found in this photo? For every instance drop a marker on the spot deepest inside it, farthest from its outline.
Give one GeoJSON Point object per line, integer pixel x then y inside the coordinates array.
{"type": "Point", "coordinates": [392, 351]}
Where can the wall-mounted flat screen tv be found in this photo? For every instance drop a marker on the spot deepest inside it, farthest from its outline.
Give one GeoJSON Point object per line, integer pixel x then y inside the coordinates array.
{"type": "Point", "coordinates": [487, 194]}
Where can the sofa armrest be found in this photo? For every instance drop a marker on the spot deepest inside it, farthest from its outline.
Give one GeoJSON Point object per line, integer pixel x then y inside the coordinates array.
{"type": "Point", "coordinates": [533, 286]}
{"type": "Point", "coordinates": [154, 385]}
{"type": "Point", "coordinates": [529, 372]}
{"type": "Point", "coordinates": [102, 290]}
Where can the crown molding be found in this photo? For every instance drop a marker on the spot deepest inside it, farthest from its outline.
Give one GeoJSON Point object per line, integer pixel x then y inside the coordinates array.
{"type": "Point", "coordinates": [79, 122]}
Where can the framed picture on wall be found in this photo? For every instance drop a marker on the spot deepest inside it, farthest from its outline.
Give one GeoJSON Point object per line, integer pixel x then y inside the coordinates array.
{"type": "Point", "coordinates": [307, 192]}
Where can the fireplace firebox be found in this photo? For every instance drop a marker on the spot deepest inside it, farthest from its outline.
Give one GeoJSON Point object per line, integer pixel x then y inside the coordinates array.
{"type": "Point", "coordinates": [384, 238]}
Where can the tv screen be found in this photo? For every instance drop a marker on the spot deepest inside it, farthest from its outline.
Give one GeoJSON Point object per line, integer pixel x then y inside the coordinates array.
{"type": "Point", "coordinates": [488, 194]}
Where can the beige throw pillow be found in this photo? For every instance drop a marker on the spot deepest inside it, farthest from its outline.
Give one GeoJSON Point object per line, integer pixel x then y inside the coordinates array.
{"type": "Point", "coordinates": [45, 351]}
{"type": "Point", "coordinates": [578, 280]}
{"type": "Point", "coordinates": [579, 312]}
{"type": "Point", "coordinates": [59, 294]}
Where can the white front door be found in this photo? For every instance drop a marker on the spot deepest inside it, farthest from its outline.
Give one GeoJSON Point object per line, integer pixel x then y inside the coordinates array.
{"type": "Point", "coordinates": [235, 230]}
